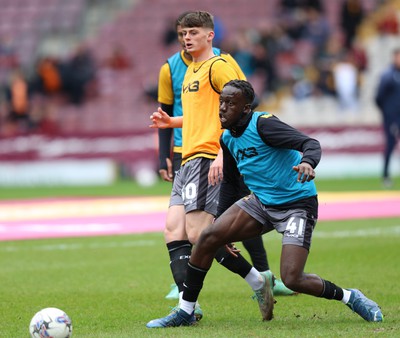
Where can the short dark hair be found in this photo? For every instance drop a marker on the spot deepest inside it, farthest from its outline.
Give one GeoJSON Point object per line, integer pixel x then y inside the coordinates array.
{"type": "Point", "coordinates": [198, 19]}
{"type": "Point", "coordinates": [180, 17]}
{"type": "Point", "coordinates": [245, 87]}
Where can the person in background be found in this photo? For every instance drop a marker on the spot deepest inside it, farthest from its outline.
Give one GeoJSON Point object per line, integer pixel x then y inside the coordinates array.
{"type": "Point", "coordinates": [283, 198]}
{"type": "Point", "coordinates": [388, 100]}
{"type": "Point", "coordinates": [351, 16]}
{"type": "Point", "coordinates": [18, 96]}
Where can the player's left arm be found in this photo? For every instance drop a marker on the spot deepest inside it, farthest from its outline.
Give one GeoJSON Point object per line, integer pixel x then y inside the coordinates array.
{"type": "Point", "coordinates": [278, 134]}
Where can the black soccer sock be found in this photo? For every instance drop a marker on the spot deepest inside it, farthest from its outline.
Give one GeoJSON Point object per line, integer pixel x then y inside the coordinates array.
{"type": "Point", "coordinates": [179, 253]}
{"type": "Point", "coordinates": [331, 291]}
{"type": "Point", "coordinates": [194, 282]}
{"type": "Point", "coordinates": [237, 265]}
{"type": "Point", "coordinates": [258, 255]}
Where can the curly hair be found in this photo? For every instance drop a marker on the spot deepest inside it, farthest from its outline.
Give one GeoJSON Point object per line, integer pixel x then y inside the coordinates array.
{"type": "Point", "coordinates": [245, 87]}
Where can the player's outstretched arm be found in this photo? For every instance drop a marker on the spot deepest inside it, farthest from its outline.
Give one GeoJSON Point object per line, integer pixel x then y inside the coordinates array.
{"type": "Point", "coordinates": [305, 172]}
{"type": "Point", "coordinates": [160, 119]}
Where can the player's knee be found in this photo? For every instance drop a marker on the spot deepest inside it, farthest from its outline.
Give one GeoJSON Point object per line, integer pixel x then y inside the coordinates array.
{"type": "Point", "coordinates": [193, 238]}
{"type": "Point", "coordinates": [209, 239]}
{"type": "Point", "coordinates": [292, 279]}
{"type": "Point", "coordinates": [173, 234]}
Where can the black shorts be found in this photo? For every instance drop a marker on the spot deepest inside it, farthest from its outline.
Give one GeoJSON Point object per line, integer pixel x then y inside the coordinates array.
{"type": "Point", "coordinates": [295, 222]}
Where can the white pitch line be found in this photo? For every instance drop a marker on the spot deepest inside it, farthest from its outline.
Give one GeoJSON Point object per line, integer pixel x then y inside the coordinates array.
{"type": "Point", "coordinates": [374, 232]}
{"type": "Point", "coordinates": [79, 246]}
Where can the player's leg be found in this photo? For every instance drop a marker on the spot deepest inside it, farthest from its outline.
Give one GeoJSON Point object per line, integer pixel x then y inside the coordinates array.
{"type": "Point", "coordinates": [178, 245]}
{"type": "Point", "coordinates": [258, 255]}
{"type": "Point", "coordinates": [298, 227]}
{"type": "Point", "coordinates": [391, 134]}
{"type": "Point", "coordinates": [175, 230]}
{"type": "Point", "coordinates": [232, 226]}
{"type": "Point", "coordinates": [200, 198]}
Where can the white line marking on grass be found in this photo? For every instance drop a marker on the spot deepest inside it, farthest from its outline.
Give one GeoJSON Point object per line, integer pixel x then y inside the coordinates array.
{"type": "Point", "coordinates": [375, 232]}
{"type": "Point", "coordinates": [79, 246]}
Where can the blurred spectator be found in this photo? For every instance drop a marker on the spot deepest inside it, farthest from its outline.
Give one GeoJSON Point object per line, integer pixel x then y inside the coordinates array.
{"type": "Point", "coordinates": [294, 4]}
{"type": "Point", "coordinates": [388, 24]}
{"type": "Point", "coordinates": [359, 55]}
{"type": "Point", "coordinates": [8, 58]}
{"type": "Point", "coordinates": [18, 97]}
{"type": "Point", "coordinates": [119, 59]}
{"type": "Point", "coordinates": [351, 16]}
{"type": "Point", "coordinates": [220, 33]}
{"type": "Point", "coordinates": [169, 36]}
{"type": "Point", "coordinates": [79, 74]}
{"type": "Point", "coordinates": [49, 80]}
{"type": "Point", "coordinates": [242, 52]}
{"type": "Point", "coordinates": [316, 30]}
{"type": "Point", "coordinates": [272, 42]}
{"type": "Point", "coordinates": [345, 75]}
{"type": "Point", "coordinates": [388, 100]}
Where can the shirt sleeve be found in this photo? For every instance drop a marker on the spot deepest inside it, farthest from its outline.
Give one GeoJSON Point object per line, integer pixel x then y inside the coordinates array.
{"type": "Point", "coordinates": [164, 140]}
{"type": "Point", "coordinates": [229, 58]}
{"type": "Point", "coordinates": [221, 73]}
{"type": "Point", "coordinates": [165, 91]}
{"type": "Point", "coordinates": [278, 134]}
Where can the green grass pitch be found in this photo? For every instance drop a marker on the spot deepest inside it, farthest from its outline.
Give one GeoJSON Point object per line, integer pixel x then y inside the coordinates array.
{"type": "Point", "coordinates": [112, 286]}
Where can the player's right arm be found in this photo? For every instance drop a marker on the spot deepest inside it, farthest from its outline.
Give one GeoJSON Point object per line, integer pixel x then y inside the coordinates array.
{"type": "Point", "coordinates": [164, 148]}
{"type": "Point", "coordinates": [166, 101]}
{"type": "Point", "coordinates": [160, 119]}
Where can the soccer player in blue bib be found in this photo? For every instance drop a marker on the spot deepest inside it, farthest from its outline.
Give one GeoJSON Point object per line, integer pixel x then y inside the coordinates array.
{"type": "Point", "coordinates": [277, 164]}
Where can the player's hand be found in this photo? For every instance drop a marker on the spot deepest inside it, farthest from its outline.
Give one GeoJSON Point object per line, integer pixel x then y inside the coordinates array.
{"type": "Point", "coordinates": [232, 249]}
{"type": "Point", "coordinates": [166, 174]}
{"type": "Point", "coordinates": [160, 119]}
{"type": "Point", "coordinates": [215, 174]}
{"type": "Point", "coordinates": [306, 173]}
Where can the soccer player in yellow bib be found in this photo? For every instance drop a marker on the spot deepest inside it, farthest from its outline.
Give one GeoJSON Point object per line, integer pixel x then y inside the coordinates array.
{"type": "Point", "coordinates": [194, 197]}
{"type": "Point", "coordinates": [170, 81]}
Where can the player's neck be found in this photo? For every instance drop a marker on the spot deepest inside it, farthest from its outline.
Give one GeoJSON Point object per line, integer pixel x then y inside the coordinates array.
{"type": "Point", "coordinates": [204, 55]}
{"type": "Point", "coordinates": [187, 56]}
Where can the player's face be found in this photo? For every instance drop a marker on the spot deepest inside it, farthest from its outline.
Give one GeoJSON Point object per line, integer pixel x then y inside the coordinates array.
{"type": "Point", "coordinates": [197, 39]}
{"type": "Point", "coordinates": [180, 36]}
{"type": "Point", "coordinates": [232, 106]}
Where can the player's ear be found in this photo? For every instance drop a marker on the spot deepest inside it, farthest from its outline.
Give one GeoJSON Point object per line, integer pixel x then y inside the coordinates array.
{"type": "Point", "coordinates": [247, 108]}
{"type": "Point", "coordinates": [210, 35]}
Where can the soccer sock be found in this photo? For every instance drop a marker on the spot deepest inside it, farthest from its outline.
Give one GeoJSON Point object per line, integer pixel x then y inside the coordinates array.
{"type": "Point", "coordinates": [187, 306]}
{"type": "Point", "coordinates": [192, 286]}
{"type": "Point", "coordinates": [346, 296]}
{"type": "Point", "coordinates": [237, 265]}
{"type": "Point", "coordinates": [331, 291]}
{"type": "Point", "coordinates": [179, 253]}
{"type": "Point", "coordinates": [254, 279]}
{"type": "Point", "coordinates": [258, 255]}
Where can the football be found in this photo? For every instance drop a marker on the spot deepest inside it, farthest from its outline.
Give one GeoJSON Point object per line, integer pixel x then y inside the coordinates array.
{"type": "Point", "coordinates": [52, 323]}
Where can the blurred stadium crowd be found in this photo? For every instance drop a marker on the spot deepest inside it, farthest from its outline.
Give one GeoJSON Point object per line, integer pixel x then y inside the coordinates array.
{"type": "Point", "coordinates": [92, 65]}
